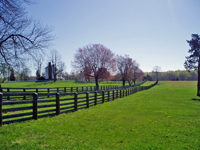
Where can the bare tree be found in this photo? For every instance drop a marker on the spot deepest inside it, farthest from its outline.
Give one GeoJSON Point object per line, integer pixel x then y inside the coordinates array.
{"type": "Point", "coordinates": [23, 73]}
{"type": "Point", "coordinates": [124, 66]}
{"type": "Point", "coordinates": [66, 75]}
{"type": "Point", "coordinates": [4, 71]}
{"type": "Point", "coordinates": [156, 70]}
{"type": "Point", "coordinates": [134, 73]}
{"type": "Point", "coordinates": [94, 57]}
{"type": "Point", "coordinates": [57, 65]}
{"type": "Point", "coordinates": [20, 36]}
{"type": "Point", "coordinates": [105, 74]}
{"type": "Point", "coordinates": [38, 66]}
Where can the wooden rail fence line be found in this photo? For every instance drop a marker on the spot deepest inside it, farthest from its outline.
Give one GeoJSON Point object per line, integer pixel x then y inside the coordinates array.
{"type": "Point", "coordinates": [36, 108]}
{"type": "Point", "coordinates": [62, 89]}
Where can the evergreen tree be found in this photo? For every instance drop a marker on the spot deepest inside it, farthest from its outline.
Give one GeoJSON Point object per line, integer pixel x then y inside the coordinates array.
{"type": "Point", "coordinates": [12, 75]}
{"type": "Point", "coordinates": [193, 61]}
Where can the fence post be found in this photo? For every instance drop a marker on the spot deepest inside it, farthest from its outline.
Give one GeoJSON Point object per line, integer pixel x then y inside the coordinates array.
{"type": "Point", "coordinates": [35, 99]}
{"type": "Point", "coordinates": [87, 100]}
{"type": "Point", "coordinates": [8, 97]}
{"type": "Point", "coordinates": [123, 92]}
{"type": "Point", "coordinates": [113, 95]}
{"type": "Point", "coordinates": [75, 101]}
{"type": "Point", "coordinates": [120, 94]}
{"type": "Point", "coordinates": [36, 90]}
{"type": "Point", "coordinates": [102, 96]}
{"type": "Point", "coordinates": [108, 96]}
{"type": "Point", "coordinates": [90, 88]}
{"type": "Point", "coordinates": [65, 90]}
{"type": "Point", "coordinates": [57, 103]}
{"type": "Point", "coordinates": [57, 90]}
{"type": "Point", "coordinates": [71, 89]}
{"type": "Point", "coordinates": [116, 94]}
{"type": "Point", "coordinates": [24, 90]}
{"type": "Point", "coordinates": [126, 92]}
{"type": "Point", "coordinates": [76, 89]}
{"type": "Point", "coordinates": [95, 98]}
{"type": "Point", "coordinates": [1, 107]}
{"type": "Point", "coordinates": [48, 92]}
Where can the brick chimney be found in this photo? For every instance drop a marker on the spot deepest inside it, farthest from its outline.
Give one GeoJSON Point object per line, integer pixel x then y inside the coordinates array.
{"type": "Point", "coordinates": [50, 71]}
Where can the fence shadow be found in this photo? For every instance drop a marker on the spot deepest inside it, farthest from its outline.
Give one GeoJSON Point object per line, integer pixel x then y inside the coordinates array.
{"type": "Point", "coordinates": [57, 103]}
{"type": "Point", "coordinates": [195, 99]}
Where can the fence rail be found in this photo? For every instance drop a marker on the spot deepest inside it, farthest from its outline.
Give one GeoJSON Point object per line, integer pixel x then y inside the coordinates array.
{"type": "Point", "coordinates": [40, 91]}
{"type": "Point", "coordinates": [16, 111]}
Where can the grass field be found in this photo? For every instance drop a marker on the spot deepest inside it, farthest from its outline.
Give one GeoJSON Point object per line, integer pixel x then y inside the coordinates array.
{"type": "Point", "coordinates": [66, 83]}
{"type": "Point", "coordinates": [166, 116]}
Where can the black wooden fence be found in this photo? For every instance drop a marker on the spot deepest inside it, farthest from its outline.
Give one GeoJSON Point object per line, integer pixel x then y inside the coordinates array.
{"type": "Point", "coordinates": [16, 111]}
{"type": "Point", "coordinates": [60, 89]}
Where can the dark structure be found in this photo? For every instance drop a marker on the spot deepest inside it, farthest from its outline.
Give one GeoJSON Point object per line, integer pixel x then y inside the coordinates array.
{"type": "Point", "coordinates": [12, 75]}
{"type": "Point", "coordinates": [50, 71]}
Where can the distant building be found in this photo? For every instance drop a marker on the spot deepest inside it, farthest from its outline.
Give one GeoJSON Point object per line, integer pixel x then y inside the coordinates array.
{"type": "Point", "coordinates": [59, 77]}
{"type": "Point", "coordinates": [49, 73]}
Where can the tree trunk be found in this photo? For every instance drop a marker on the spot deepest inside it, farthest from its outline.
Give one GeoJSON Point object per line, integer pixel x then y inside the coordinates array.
{"type": "Point", "coordinates": [124, 81]}
{"type": "Point", "coordinates": [134, 82]}
{"type": "Point", "coordinates": [1, 90]}
{"type": "Point", "coordinates": [157, 75]}
{"type": "Point", "coordinates": [54, 78]}
{"type": "Point", "coordinates": [198, 82]}
{"type": "Point", "coordinates": [129, 82]}
{"type": "Point", "coordinates": [97, 85]}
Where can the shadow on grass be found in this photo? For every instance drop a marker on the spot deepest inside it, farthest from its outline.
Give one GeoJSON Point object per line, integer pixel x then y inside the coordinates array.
{"type": "Point", "coordinates": [195, 99]}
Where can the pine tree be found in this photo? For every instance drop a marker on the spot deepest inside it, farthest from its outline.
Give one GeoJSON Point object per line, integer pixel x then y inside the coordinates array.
{"type": "Point", "coordinates": [193, 61]}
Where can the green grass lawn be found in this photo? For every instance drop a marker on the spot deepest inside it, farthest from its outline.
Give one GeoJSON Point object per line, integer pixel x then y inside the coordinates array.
{"type": "Point", "coordinates": [65, 83]}
{"type": "Point", "coordinates": [166, 116]}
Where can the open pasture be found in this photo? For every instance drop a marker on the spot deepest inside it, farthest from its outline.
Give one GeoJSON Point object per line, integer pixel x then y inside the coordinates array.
{"type": "Point", "coordinates": [65, 83]}
{"type": "Point", "coordinates": [166, 116]}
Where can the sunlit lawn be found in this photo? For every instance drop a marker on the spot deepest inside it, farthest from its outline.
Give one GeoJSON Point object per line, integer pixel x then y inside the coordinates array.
{"type": "Point", "coordinates": [65, 83]}
{"type": "Point", "coordinates": [166, 116]}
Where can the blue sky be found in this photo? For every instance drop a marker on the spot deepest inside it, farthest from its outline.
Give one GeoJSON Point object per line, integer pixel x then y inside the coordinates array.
{"type": "Point", "coordinates": [152, 32]}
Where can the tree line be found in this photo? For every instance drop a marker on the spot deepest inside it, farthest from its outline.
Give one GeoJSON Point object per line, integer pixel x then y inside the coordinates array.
{"type": "Point", "coordinates": [97, 61]}
{"type": "Point", "coordinates": [178, 75]}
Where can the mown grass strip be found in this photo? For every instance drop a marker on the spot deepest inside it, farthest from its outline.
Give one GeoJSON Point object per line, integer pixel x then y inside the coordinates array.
{"type": "Point", "coordinates": [166, 116]}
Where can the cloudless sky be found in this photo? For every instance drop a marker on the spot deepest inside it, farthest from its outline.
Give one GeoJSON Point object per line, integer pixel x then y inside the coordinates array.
{"type": "Point", "coordinates": [152, 32]}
